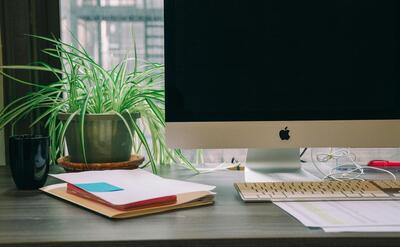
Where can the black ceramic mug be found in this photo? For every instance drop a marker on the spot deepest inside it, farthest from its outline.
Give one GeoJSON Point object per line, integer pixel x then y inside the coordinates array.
{"type": "Point", "coordinates": [29, 160]}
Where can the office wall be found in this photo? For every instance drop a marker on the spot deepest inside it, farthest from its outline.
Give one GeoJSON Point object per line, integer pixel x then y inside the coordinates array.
{"type": "Point", "coordinates": [2, 148]}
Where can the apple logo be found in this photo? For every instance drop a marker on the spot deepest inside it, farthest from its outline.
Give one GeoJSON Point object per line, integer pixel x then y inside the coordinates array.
{"type": "Point", "coordinates": [284, 134]}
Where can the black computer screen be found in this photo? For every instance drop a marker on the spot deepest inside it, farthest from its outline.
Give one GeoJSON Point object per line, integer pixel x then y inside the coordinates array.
{"type": "Point", "coordinates": [266, 60]}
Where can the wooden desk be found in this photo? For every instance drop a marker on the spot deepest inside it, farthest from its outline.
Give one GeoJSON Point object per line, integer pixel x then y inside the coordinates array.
{"type": "Point", "coordinates": [35, 219]}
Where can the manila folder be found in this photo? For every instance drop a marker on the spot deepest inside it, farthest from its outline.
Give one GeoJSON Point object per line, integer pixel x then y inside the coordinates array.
{"type": "Point", "coordinates": [187, 200]}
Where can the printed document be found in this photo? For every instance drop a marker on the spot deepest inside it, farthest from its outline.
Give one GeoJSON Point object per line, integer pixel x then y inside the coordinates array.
{"type": "Point", "coordinates": [335, 216]}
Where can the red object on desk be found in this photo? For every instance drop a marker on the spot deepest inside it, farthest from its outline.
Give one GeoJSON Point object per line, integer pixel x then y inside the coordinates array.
{"type": "Point", "coordinates": [155, 202]}
{"type": "Point", "coordinates": [384, 163]}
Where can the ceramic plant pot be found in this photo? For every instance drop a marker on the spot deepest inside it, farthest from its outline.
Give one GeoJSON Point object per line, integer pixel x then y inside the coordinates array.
{"type": "Point", "coordinates": [106, 138]}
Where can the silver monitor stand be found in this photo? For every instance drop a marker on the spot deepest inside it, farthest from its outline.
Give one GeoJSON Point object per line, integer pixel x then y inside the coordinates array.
{"type": "Point", "coordinates": [275, 165]}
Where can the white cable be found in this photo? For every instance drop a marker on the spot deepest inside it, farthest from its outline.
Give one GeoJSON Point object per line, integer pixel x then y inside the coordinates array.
{"type": "Point", "coordinates": [315, 165]}
{"type": "Point", "coordinates": [221, 166]}
{"type": "Point", "coordinates": [335, 173]}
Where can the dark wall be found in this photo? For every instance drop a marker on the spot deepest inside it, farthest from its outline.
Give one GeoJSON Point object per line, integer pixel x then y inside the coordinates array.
{"type": "Point", "coordinates": [17, 19]}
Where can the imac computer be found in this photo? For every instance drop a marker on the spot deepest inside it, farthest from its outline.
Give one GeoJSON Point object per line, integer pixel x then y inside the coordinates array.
{"type": "Point", "coordinates": [273, 76]}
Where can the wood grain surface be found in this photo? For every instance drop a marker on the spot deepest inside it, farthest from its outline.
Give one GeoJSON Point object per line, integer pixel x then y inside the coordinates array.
{"type": "Point", "coordinates": [32, 218]}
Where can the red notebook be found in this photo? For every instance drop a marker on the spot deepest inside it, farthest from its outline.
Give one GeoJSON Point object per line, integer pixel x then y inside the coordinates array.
{"type": "Point", "coordinates": [165, 200]}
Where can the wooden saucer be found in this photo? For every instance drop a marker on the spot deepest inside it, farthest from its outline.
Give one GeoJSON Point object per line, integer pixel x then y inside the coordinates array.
{"type": "Point", "coordinates": [132, 163]}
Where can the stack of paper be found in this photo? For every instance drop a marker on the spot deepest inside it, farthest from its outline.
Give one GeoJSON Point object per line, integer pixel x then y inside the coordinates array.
{"type": "Point", "coordinates": [347, 216]}
{"type": "Point", "coordinates": [128, 193]}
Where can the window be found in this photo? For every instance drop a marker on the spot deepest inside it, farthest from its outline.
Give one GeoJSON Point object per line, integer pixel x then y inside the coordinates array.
{"type": "Point", "coordinates": [107, 28]}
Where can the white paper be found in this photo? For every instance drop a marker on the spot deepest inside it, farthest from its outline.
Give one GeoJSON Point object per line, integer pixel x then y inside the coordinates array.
{"type": "Point", "coordinates": [344, 213]}
{"type": "Point", "coordinates": [137, 185]}
{"type": "Point", "coordinates": [362, 229]}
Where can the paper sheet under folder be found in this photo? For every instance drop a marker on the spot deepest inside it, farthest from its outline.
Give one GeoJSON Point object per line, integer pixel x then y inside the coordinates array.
{"type": "Point", "coordinates": [186, 200]}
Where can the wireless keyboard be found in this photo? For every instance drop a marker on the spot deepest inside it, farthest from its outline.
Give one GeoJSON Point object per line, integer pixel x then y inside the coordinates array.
{"type": "Point", "coordinates": [319, 191]}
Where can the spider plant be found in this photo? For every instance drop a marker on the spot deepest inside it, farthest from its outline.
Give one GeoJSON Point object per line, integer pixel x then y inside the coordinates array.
{"type": "Point", "coordinates": [84, 87]}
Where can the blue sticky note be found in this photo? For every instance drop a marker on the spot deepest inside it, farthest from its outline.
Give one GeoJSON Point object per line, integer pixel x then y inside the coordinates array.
{"type": "Point", "coordinates": [98, 187]}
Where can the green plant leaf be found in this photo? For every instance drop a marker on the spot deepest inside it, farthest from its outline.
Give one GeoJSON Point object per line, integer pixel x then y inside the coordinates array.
{"type": "Point", "coordinates": [146, 145]}
{"type": "Point", "coordinates": [64, 129]}
{"type": "Point", "coordinates": [126, 123]}
{"type": "Point", "coordinates": [82, 127]}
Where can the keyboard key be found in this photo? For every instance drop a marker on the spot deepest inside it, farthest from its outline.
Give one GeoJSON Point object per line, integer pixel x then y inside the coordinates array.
{"type": "Point", "coordinates": [352, 194]}
{"type": "Point", "coordinates": [367, 195]}
{"type": "Point", "coordinates": [277, 195]}
{"type": "Point", "coordinates": [381, 194]}
{"type": "Point", "coordinates": [250, 196]}
{"type": "Point", "coordinates": [264, 196]}
{"type": "Point", "coordinates": [382, 184]}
